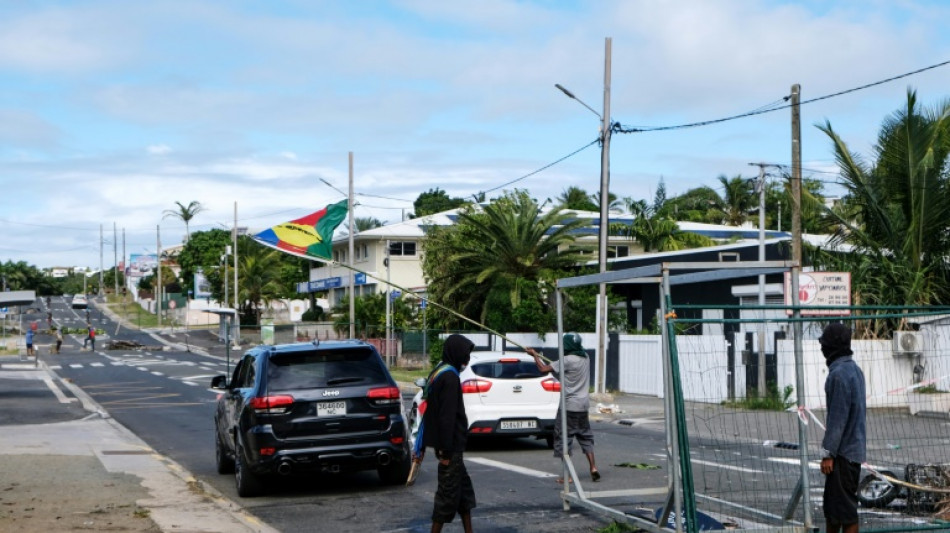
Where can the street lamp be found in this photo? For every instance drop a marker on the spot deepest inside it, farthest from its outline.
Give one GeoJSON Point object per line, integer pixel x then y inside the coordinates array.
{"type": "Point", "coordinates": [605, 126]}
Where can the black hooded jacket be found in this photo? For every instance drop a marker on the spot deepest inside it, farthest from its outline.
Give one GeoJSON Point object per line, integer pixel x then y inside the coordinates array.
{"type": "Point", "coordinates": [446, 425]}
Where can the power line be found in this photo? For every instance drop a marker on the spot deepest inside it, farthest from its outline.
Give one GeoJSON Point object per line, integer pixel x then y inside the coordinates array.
{"type": "Point", "coordinates": [545, 167]}
{"type": "Point", "coordinates": [616, 127]}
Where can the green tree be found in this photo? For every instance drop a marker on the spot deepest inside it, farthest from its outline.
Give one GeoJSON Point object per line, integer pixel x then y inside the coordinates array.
{"type": "Point", "coordinates": [185, 213]}
{"type": "Point", "coordinates": [259, 279]}
{"type": "Point", "coordinates": [577, 199]}
{"type": "Point", "coordinates": [737, 199]}
{"type": "Point", "coordinates": [695, 205]}
{"type": "Point", "coordinates": [434, 201]}
{"type": "Point", "coordinates": [369, 313]}
{"type": "Point", "coordinates": [896, 209]}
{"type": "Point", "coordinates": [366, 223]}
{"type": "Point", "coordinates": [203, 250]}
{"type": "Point", "coordinates": [509, 252]}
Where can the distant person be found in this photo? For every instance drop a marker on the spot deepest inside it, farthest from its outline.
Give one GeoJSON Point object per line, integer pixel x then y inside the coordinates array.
{"type": "Point", "coordinates": [845, 443]}
{"type": "Point", "coordinates": [574, 373]}
{"type": "Point", "coordinates": [59, 339]}
{"type": "Point", "coordinates": [29, 342]}
{"type": "Point", "coordinates": [446, 430]}
{"type": "Point", "coordinates": [90, 337]}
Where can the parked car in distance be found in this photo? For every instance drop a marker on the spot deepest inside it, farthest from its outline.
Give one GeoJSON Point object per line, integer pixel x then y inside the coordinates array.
{"type": "Point", "coordinates": [80, 302]}
{"type": "Point", "coordinates": [327, 406]}
{"type": "Point", "coordinates": [505, 395]}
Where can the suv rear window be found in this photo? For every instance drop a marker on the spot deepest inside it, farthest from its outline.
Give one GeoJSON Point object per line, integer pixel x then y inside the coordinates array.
{"type": "Point", "coordinates": [324, 368]}
{"type": "Point", "coordinates": [507, 370]}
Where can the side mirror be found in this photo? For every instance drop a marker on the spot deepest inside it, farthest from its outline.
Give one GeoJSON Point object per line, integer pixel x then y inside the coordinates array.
{"type": "Point", "coordinates": [219, 382]}
{"type": "Point", "coordinates": [421, 382]}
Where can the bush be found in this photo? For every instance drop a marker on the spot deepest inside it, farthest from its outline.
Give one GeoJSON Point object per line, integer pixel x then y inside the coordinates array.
{"type": "Point", "coordinates": [771, 402]}
{"type": "Point", "coordinates": [435, 350]}
{"type": "Point", "coordinates": [314, 314]}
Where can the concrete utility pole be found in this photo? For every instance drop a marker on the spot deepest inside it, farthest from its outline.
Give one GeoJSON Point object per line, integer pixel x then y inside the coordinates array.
{"type": "Point", "coordinates": [101, 278]}
{"type": "Point", "coordinates": [352, 284]}
{"type": "Point", "coordinates": [760, 188]}
{"type": "Point", "coordinates": [115, 256]}
{"type": "Point", "coordinates": [158, 274]}
{"type": "Point", "coordinates": [235, 323]}
{"type": "Point", "coordinates": [604, 224]}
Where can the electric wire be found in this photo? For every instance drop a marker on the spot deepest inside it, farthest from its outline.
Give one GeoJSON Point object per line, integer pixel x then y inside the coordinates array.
{"type": "Point", "coordinates": [545, 167]}
{"type": "Point", "coordinates": [616, 127]}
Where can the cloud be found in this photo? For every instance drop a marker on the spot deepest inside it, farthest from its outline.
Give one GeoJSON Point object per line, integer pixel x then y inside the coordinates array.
{"type": "Point", "coordinates": [159, 149]}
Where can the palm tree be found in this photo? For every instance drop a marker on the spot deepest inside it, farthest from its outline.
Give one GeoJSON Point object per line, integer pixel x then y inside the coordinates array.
{"type": "Point", "coordinates": [577, 199]}
{"type": "Point", "coordinates": [508, 247]}
{"type": "Point", "coordinates": [896, 210]}
{"type": "Point", "coordinates": [185, 214]}
{"type": "Point", "coordinates": [738, 198]}
{"type": "Point", "coordinates": [361, 224]}
{"type": "Point", "coordinates": [259, 270]}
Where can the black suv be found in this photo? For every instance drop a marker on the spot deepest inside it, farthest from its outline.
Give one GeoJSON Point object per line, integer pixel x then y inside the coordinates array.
{"type": "Point", "coordinates": [309, 407]}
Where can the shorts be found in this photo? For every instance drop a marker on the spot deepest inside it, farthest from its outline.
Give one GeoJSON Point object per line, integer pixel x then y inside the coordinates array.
{"type": "Point", "coordinates": [455, 493]}
{"type": "Point", "coordinates": [841, 492]}
{"type": "Point", "coordinates": [578, 426]}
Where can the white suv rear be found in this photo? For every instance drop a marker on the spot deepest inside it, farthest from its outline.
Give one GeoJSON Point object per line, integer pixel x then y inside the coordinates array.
{"type": "Point", "coordinates": [504, 395]}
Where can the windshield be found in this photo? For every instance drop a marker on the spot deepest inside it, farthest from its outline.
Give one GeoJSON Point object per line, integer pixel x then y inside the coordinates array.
{"type": "Point", "coordinates": [516, 369]}
{"type": "Point", "coordinates": [325, 368]}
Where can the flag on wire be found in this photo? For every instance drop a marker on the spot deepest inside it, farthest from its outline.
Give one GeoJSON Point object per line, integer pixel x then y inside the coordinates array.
{"type": "Point", "coordinates": [310, 236]}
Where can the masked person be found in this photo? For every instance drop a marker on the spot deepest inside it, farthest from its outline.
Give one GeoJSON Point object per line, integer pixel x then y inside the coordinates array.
{"type": "Point", "coordinates": [446, 430]}
{"type": "Point", "coordinates": [574, 373]}
{"type": "Point", "coordinates": [845, 442]}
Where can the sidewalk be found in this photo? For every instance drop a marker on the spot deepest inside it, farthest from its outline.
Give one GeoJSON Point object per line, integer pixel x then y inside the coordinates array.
{"type": "Point", "coordinates": [68, 465]}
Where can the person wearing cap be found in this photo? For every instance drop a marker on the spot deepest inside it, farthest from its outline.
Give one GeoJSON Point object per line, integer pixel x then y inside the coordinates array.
{"type": "Point", "coordinates": [574, 373]}
{"type": "Point", "coordinates": [845, 442]}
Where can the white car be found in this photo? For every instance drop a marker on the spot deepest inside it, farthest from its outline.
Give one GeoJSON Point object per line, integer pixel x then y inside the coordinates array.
{"type": "Point", "coordinates": [505, 395]}
{"type": "Point", "coordinates": [80, 302]}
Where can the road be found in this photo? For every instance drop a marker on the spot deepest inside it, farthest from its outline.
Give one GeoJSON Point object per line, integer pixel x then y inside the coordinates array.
{"type": "Point", "coordinates": [164, 398]}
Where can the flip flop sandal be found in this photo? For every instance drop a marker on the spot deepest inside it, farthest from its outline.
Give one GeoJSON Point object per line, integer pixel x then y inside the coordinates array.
{"type": "Point", "coordinates": [595, 475]}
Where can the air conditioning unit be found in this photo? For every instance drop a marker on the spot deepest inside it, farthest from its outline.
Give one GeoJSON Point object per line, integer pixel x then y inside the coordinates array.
{"type": "Point", "coordinates": [908, 342]}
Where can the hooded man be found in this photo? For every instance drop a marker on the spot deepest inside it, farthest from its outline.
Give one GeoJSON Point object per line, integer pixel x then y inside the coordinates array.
{"type": "Point", "coordinates": [447, 431]}
{"type": "Point", "coordinates": [845, 441]}
{"type": "Point", "coordinates": [574, 373]}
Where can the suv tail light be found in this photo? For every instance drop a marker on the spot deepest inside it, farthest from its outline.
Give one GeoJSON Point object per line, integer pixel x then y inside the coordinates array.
{"type": "Point", "coordinates": [384, 395]}
{"type": "Point", "coordinates": [475, 385]}
{"type": "Point", "coordinates": [551, 385]}
{"type": "Point", "coordinates": [271, 405]}
{"type": "Point", "coordinates": [509, 360]}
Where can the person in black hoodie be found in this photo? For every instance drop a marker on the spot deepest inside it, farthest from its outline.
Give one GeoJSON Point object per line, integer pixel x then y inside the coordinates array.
{"type": "Point", "coordinates": [447, 431]}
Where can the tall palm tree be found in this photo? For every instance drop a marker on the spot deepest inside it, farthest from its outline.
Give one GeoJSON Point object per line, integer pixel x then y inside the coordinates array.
{"type": "Point", "coordinates": [576, 198]}
{"type": "Point", "coordinates": [185, 214]}
{"type": "Point", "coordinates": [510, 246]}
{"type": "Point", "coordinates": [259, 270]}
{"type": "Point", "coordinates": [361, 224]}
{"type": "Point", "coordinates": [897, 206]}
{"type": "Point", "coordinates": [738, 198]}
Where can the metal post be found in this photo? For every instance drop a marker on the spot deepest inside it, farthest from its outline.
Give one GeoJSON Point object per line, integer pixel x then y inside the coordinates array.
{"type": "Point", "coordinates": [760, 186]}
{"type": "Point", "coordinates": [115, 256]}
{"type": "Point", "coordinates": [101, 277]}
{"type": "Point", "coordinates": [349, 215]}
{"type": "Point", "coordinates": [604, 222]}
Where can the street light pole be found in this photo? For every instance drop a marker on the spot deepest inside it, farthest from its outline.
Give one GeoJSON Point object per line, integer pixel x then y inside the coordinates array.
{"type": "Point", "coordinates": [600, 377]}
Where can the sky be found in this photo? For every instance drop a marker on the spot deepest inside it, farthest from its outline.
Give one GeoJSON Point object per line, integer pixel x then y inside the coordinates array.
{"type": "Point", "coordinates": [112, 111]}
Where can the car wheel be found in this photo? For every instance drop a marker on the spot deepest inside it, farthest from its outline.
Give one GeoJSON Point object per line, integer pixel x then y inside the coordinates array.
{"type": "Point", "coordinates": [874, 491]}
{"type": "Point", "coordinates": [395, 473]}
{"type": "Point", "coordinates": [248, 483]}
{"type": "Point", "coordinates": [224, 463]}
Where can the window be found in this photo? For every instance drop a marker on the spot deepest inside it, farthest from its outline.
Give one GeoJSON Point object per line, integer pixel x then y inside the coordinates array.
{"type": "Point", "coordinates": [402, 248]}
{"type": "Point", "coordinates": [618, 251]}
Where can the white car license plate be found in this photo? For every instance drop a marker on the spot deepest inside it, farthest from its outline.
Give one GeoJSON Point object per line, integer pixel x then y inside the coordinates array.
{"type": "Point", "coordinates": [331, 408]}
{"type": "Point", "coordinates": [519, 424]}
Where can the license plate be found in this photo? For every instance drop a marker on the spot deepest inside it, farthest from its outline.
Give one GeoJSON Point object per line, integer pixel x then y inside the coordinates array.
{"type": "Point", "coordinates": [519, 424]}
{"type": "Point", "coordinates": [331, 408]}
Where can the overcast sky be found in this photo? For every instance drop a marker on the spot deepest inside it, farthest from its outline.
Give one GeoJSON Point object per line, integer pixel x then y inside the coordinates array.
{"type": "Point", "coordinates": [111, 111]}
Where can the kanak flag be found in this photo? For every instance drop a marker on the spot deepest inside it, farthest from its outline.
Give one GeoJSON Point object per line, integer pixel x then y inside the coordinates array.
{"type": "Point", "coordinates": [310, 236]}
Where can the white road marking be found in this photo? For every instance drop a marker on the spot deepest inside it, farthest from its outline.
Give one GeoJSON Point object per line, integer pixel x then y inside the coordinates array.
{"type": "Point", "coordinates": [157, 374]}
{"type": "Point", "coordinates": [96, 364]}
{"type": "Point", "coordinates": [196, 378]}
{"type": "Point", "coordinates": [56, 392]}
{"type": "Point", "coordinates": [728, 467]}
{"type": "Point", "coordinates": [814, 465]}
{"type": "Point", "coordinates": [510, 467]}
{"type": "Point", "coordinates": [192, 383]}
{"type": "Point", "coordinates": [75, 365]}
